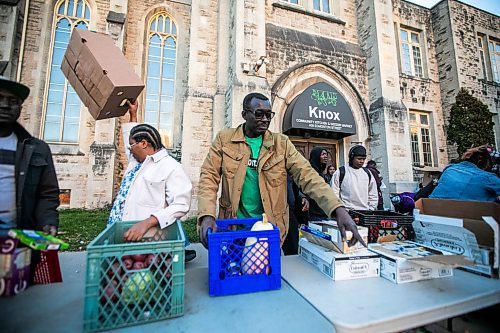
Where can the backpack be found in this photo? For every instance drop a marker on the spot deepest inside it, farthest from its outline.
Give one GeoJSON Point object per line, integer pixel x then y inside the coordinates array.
{"type": "Point", "coordinates": [342, 175]}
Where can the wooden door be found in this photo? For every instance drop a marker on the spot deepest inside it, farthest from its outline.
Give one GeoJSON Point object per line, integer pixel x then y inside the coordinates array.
{"type": "Point", "coordinates": [305, 146]}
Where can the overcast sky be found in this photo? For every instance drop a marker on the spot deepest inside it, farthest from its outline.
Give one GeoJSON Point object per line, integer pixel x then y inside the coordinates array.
{"type": "Point", "coordinates": [492, 6]}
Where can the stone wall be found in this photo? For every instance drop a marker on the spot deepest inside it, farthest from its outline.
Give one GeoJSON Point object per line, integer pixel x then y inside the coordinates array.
{"type": "Point", "coordinates": [11, 26]}
{"type": "Point", "coordinates": [468, 22]}
{"type": "Point", "coordinates": [217, 47]}
{"type": "Point", "coordinates": [423, 94]}
{"type": "Point", "coordinates": [456, 26]}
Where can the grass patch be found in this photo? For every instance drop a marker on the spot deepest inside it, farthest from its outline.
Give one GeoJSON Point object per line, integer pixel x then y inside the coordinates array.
{"type": "Point", "coordinates": [78, 227]}
{"type": "Point", "coordinates": [190, 229]}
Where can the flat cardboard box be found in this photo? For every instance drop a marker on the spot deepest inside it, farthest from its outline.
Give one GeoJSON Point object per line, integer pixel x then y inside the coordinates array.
{"type": "Point", "coordinates": [337, 266]}
{"type": "Point", "coordinates": [461, 227]}
{"type": "Point", "coordinates": [406, 261]}
{"type": "Point", "coordinates": [100, 74]}
{"type": "Point", "coordinates": [329, 227]}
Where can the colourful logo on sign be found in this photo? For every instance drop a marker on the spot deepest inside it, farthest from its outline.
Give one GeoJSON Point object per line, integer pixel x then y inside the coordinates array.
{"type": "Point", "coordinates": [324, 97]}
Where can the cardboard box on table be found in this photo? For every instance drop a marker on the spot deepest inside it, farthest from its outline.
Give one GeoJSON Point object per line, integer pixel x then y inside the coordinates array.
{"type": "Point", "coordinates": [407, 261]}
{"type": "Point", "coordinates": [14, 266]}
{"type": "Point", "coordinates": [338, 266]}
{"type": "Point", "coordinates": [100, 74]}
{"type": "Point", "coordinates": [461, 227]}
{"type": "Point", "coordinates": [326, 233]}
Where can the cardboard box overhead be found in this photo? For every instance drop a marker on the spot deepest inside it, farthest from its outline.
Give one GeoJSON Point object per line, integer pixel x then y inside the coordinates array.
{"type": "Point", "coordinates": [463, 227]}
{"type": "Point", "coordinates": [100, 74]}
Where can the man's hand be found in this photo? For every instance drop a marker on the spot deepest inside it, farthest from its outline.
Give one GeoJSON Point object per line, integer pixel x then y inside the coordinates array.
{"type": "Point", "coordinates": [138, 230]}
{"type": "Point", "coordinates": [207, 222]}
{"type": "Point", "coordinates": [50, 229]}
{"type": "Point", "coordinates": [345, 222]}
{"type": "Point", "coordinates": [305, 204]}
{"type": "Point", "coordinates": [132, 110]}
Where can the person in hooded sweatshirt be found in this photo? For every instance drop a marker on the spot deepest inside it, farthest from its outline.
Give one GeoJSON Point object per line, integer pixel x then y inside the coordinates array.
{"type": "Point", "coordinates": [318, 159]}
{"type": "Point", "coordinates": [354, 184]}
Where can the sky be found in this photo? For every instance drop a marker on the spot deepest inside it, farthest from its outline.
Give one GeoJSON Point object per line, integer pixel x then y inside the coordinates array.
{"type": "Point", "coordinates": [492, 6]}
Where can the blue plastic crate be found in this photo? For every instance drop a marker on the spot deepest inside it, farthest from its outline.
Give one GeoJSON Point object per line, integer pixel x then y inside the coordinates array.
{"type": "Point", "coordinates": [234, 268]}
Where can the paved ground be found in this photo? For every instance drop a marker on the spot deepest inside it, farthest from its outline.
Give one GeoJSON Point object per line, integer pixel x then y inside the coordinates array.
{"type": "Point", "coordinates": [482, 321]}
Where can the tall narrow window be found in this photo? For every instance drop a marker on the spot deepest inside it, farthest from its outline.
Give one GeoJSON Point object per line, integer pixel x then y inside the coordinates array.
{"type": "Point", "coordinates": [411, 55]}
{"type": "Point", "coordinates": [480, 46]}
{"type": "Point", "coordinates": [160, 76]}
{"type": "Point", "coordinates": [421, 145]}
{"type": "Point", "coordinates": [61, 103]}
{"type": "Point", "coordinates": [296, 2]}
{"type": "Point", "coordinates": [494, 48]}
{"type": "Point", "coordinates": [322, 5]}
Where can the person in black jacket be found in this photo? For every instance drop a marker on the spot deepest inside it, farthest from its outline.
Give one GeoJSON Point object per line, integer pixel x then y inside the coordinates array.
{"type": "Point", "coordinates": [30, 193]}
{"type": "Point", "coordinates": [372, 166]}
{"type": "Point", "coordinates": [318, 159]}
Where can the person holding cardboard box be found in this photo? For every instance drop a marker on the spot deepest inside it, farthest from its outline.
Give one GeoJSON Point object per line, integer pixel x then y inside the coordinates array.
{"type": "Point", "coordinates": [252, 164]}
{"type": "Point", "coordinates": [155, 190]}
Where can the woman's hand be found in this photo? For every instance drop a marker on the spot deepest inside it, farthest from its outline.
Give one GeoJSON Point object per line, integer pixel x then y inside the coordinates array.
{"type": "Point", "coordinates": [132, 110]}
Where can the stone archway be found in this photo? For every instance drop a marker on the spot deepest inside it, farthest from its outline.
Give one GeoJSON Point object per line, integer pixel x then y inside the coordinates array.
{"type": "Point", "coordinates": [297, 79]}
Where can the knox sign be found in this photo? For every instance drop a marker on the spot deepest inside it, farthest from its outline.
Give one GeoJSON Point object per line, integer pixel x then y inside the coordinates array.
{"type": "Point", "coordinates": [320, 107]}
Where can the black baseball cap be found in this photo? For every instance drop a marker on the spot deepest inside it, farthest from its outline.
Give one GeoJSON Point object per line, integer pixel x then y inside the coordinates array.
{"type": "Point", "coordinates": [14, 87]}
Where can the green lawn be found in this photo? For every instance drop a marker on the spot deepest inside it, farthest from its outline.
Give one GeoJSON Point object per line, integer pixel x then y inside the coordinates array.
{"type": "Point", "coordinates": [78, 227]}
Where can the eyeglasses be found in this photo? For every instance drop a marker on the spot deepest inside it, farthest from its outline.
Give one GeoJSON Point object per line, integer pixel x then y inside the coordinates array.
{"type": "Point", "coordinates": [130, 147]}
{"type": "Point", "coordinates": [259, 114]}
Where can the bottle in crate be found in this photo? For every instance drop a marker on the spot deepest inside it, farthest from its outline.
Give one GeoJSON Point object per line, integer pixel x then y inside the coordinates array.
{"type": "Point", "coordinates": [235, 268]}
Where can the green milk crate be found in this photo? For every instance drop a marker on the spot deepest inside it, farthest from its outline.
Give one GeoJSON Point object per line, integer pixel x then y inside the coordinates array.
{"type": "Point", "coordinates": [134, 283]}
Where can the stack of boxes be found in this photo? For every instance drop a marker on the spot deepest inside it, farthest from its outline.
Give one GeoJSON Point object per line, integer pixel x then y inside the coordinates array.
{"type": "Point", "coordinates": [399, 261]}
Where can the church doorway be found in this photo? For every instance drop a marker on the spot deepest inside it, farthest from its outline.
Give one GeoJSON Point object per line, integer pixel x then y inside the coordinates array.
{"type": "Point", "coordinates": [304, 146]}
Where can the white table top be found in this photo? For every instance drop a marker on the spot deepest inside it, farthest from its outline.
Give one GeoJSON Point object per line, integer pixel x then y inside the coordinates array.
{"type": "Point", "coordinates": [59, 307]}
{"type": "Point", "coordinates": [378, 305]}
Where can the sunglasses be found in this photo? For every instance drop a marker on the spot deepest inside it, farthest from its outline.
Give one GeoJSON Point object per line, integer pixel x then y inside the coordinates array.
{"type": "Point", "coordinates": [259, 114]}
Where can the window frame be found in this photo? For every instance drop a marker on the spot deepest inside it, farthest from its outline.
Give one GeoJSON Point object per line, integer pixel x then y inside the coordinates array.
{"type": "Point", "coordinates": [482, 55]}
{"type": "Point", "coordinates": [411, 51]}
{"type": "Point", "coordinates": [292, 3]}
{"type": "Point", "coordinates": [175, 36]}
{"type": "Point", "coordinates": [74, 20]}
{"type": "Point", "coordinates": [321, 10]}
{"type": "Point", "coordinates": [419, 127]}
{"type": "Point", "coordinates": [494, 58]}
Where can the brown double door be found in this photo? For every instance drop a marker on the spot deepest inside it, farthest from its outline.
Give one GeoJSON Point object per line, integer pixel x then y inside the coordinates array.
{"type": "Point", "coordinates": [304, 146]}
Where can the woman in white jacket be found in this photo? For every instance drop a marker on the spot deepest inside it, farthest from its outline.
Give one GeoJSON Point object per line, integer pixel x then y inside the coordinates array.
{"type": "Point", "coordinates": [155, 190]}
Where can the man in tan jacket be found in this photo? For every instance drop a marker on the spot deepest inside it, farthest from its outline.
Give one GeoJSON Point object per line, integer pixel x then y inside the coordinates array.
{"type": "Point", "coordinates": [252, 163]}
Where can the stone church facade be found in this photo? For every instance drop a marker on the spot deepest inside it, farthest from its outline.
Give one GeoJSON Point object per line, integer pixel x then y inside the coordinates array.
{"type": "Point", "coordinates": [391, 67]}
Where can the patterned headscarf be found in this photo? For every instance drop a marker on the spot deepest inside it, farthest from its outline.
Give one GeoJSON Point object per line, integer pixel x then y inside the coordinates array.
{"type": "Point", "coordinates": [148, 133]}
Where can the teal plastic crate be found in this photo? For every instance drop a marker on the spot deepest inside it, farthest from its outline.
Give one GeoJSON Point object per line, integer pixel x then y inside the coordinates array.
{"type": "Point", "coordinates": [119, 291]}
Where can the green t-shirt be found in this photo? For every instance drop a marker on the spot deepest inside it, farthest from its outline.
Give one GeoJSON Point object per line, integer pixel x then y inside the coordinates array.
{"type": "Point", "coordinates": [250, 201]}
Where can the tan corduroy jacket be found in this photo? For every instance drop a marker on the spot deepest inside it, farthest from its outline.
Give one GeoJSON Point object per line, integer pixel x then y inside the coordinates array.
{"type": "Point", "coordinates": [228, 158]}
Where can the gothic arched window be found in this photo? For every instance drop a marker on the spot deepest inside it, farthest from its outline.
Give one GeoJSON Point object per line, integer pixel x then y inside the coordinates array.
{"type": "Point", "coordinates": [160, 76]}
{"type": "Point", "coordinates": [61, 103]}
